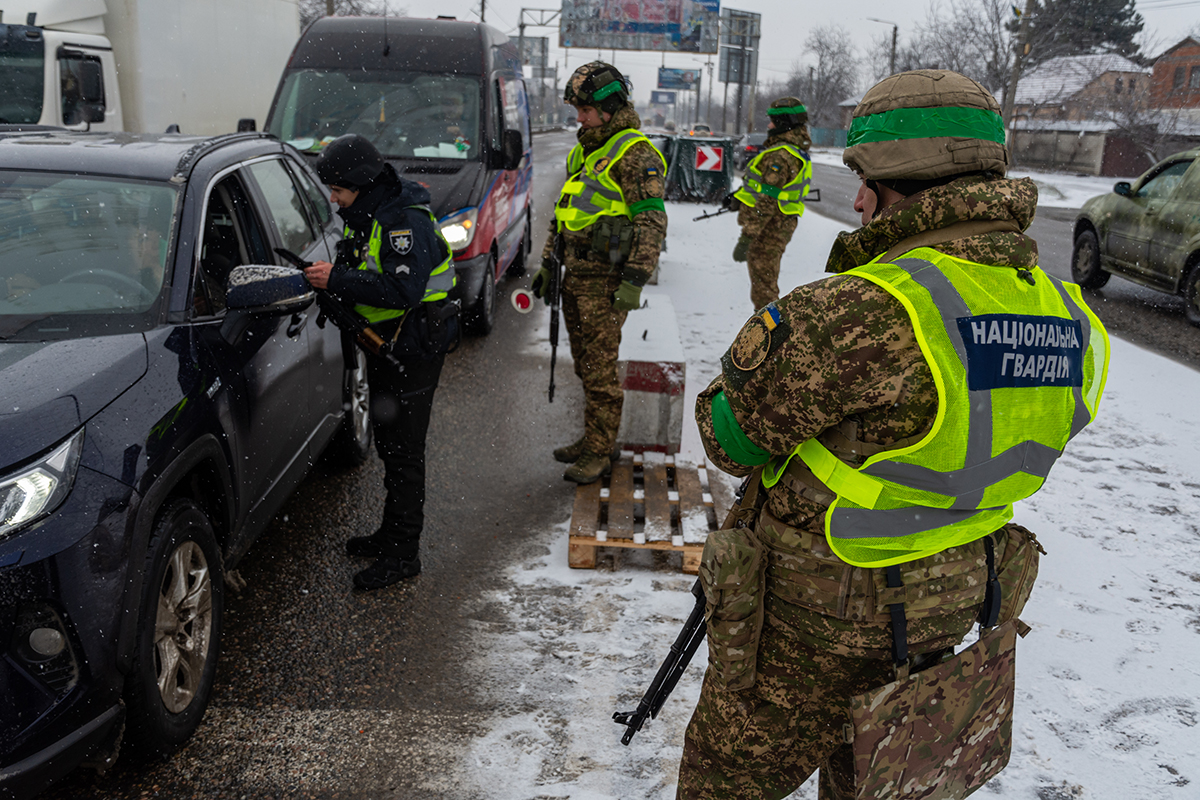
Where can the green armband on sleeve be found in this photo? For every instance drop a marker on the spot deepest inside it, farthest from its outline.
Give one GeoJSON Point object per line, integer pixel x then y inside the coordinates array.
{"type": "Point", "coordinates": [729, 435]}
{"type": "Point", "coordinates": [649, 204]}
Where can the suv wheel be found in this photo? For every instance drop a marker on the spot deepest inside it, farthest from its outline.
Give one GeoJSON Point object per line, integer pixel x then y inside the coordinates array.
{"type": "Point", "coordinates": [352, 444]}
{"type": "Point", "coordinates": [179, 632]}
{"type": "Point", "coordinates": [483, 317]}
{"type": "Point", "coordinates": [1191, 293]}
{"type": "Point", "coordinates": [1085, 261]}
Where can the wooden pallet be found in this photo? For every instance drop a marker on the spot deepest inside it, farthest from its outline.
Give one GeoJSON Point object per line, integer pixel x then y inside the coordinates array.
{"type": "Point", "coordinates": [649, 504]}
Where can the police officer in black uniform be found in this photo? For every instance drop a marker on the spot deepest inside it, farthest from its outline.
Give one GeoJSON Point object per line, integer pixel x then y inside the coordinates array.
{"type": "Point", "coordinates": [395, 266]}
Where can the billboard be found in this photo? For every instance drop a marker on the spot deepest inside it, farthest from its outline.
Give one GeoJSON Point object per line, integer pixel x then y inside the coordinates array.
{"type": "Point", "coordinates": [662, 98]}
{"type": "Point", "coordinates": [690, 26]}
{"type": "Point", "coordinates": [740, 31]}
{"type": "Point", "coordinates": [682, 79]}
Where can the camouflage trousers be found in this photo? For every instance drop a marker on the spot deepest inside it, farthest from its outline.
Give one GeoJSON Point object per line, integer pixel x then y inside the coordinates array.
{"type": "Point", "coordinates": [594, 329]}
{"type": "Point", "coordinates": [755, 745]}
{"type": "Point", "coordinates": [763, 257]}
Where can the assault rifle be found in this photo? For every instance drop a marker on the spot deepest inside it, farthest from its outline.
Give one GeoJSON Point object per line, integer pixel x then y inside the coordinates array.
{"type": "Point", "coordinates": [669, 673]}
{"type": "Point", "coordinates": [813, 196]}
{"type": "Point", "coordinates": [344, 317]}
{"type": "Point", "coordinates": [555, 294]}
{"type": "Point", "coordinates": [684, 647]}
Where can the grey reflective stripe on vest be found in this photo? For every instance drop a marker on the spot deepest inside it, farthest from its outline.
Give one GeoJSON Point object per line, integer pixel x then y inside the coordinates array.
{"type": "Point", "coordinates": [1082, 415]}
{"type": "Point", "coordinates": [592, 186]}
{"type": "Point", "coordinates": [867, 523]}
{"type": "Point", "coordinates": [980, 469]}
{"type": "Point", "coordinates": [440, 281]}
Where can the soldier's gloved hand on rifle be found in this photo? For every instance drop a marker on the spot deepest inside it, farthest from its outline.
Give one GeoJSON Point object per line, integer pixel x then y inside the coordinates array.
{"type": "Point", "coordinates": [739, 250]}
{"type": "Point", "coordinates": [627, 297]}
{"type": "Point", "coordinates": [541, 281]}
{"type": "Point", "coordinates": [728, 200]}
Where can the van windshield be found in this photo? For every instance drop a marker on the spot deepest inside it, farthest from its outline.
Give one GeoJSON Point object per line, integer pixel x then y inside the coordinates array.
{"type": "Point", "coordinates": [22, 72]}
{"type": "Point", "coordinates": [403, 113]}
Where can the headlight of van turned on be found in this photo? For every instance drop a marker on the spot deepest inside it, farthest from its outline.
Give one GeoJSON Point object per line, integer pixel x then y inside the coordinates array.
{"type": "Point", "coordinates": [37, 489]}
{"type": "Point", "coordinates": [459, 228]}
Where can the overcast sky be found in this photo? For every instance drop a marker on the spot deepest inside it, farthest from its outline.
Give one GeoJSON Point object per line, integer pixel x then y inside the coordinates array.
{"type": "Point", "coordinates": [786, 25]}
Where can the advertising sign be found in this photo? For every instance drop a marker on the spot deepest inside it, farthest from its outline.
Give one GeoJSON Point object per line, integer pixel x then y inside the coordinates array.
{"type": "Point", "coordinates": [681, 79]}
{"type": "Point", "coordinates": [740, 31]}
{"type": "Point", "coordinates": [662, 98]}
{"type": "Point", "coordinates": [690, 26]}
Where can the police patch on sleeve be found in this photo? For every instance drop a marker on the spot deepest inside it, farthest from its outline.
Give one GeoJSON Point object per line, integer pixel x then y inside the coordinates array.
{"type": "Point", "coordinates": [402, 241]}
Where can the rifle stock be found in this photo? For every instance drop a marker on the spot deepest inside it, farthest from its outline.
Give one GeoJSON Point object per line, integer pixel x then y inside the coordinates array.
{"type": "Point", "coordinates": [555, 290]}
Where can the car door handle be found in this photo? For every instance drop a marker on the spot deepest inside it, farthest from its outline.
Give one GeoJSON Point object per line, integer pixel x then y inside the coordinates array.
{"type": "Point", "coordinates": [297, 324]}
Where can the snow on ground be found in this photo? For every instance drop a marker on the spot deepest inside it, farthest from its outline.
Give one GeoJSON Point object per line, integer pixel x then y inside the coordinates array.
{"type": "Point", "coordinates": [1107, 683]}
{"type": "Point", "coordinates": [1055, 189]}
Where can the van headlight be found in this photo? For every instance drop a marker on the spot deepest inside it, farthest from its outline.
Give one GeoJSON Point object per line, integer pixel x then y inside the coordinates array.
{"type": "Point", "coordinates": [37, 489]}
{"type": "Point", "coordinates": [459, 228]}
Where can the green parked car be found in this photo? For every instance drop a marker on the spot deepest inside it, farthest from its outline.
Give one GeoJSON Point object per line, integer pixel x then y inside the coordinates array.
{"type": "Point", "coordinates": [1148, 232]}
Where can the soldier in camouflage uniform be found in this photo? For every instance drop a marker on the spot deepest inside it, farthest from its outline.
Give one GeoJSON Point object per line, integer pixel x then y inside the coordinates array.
{"type": "Point", "coordinates": [611, 221]}
{"type": "Point", "coordinates": [770, 202]}
{"type": "Point", "coordinates": [840, 364]}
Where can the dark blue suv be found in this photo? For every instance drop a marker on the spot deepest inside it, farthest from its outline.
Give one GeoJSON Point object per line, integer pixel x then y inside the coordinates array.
{"type": "Point", "coordinates": [164, 386]}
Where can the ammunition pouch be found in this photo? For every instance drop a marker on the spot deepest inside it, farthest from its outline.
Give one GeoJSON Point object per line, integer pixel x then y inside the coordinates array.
{"type": "Point", "coordinates": [612, 238]}
{"type": "Point", "coordinates": [732, 574]}
{"type": "Point", "coordinates": [428, 330]}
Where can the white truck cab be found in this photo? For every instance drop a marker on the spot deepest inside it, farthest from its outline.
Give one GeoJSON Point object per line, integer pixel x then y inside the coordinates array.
{"type": "Point", "coordinates": [142, 65]}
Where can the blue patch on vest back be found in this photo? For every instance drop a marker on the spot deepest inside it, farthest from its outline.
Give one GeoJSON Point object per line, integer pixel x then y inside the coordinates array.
{"type": "Point", "coordinates": [1020, 351]}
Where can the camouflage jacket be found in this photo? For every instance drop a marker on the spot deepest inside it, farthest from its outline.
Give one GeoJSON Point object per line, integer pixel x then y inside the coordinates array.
{"type": "Point", "coordinates": [639, 174]}
{"type": "Point", "coordinates": [845, 358]}
{"type": "Point", "coordinates": [779, 169]}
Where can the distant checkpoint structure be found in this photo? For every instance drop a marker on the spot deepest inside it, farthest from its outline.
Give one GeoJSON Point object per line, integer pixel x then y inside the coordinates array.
{"type": "Point", "coordinates": [693, 27]}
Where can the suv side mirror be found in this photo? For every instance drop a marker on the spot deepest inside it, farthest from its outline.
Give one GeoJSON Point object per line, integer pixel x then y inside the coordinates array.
{"type": "Point", "coordinates": [1123, 188]}
{"type": "Point", "coordinates": [263, 290]}
{"type": "Point", "coordinates": [511, 150]}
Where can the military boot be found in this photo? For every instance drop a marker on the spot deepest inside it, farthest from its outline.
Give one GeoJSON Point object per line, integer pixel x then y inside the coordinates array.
{"type": "Point", "coordinates": [385, 571]}
{"type": "Point", "coordinates": [570, 453]}
{"type": "Point", "coordinates": [590, 468]}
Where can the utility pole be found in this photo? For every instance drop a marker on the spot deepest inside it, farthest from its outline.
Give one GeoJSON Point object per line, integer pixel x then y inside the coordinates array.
{"type": "Point", "coordinates": [1022, 50]}
{"type": "Point", "coordinates": [708, 113]}
{"type": "Point", "coordinates": [895, 31]}
{"type": "Point", "coordinates": [329, 9]}
{"type": "Point", "coordinates": [482, 10]}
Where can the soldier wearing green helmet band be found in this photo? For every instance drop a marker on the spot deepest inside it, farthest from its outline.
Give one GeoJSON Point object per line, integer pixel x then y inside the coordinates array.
{"type": "Point", "coordinates": [771, 199]}
{"type": "Point", "coordinates": [888, 416]}
{"type": "Point", "coordinates": [610, 221]}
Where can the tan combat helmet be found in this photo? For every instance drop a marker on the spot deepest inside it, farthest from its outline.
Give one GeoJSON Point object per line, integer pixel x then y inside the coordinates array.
{"type": "Point", "coordinates": [597, 84]}
{"type": "Point", "coordinates": [926, 125]}
{"type": "Point", "coordinates": [787, 113]}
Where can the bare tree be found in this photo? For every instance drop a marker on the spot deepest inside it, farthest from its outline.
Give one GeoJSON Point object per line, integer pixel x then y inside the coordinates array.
{"type": "Point", "coordinates": [315, 9]}
{"type": "Point", "coordinates": [832, 78]}
{"type": "Point", "coordinates": [967, 36]}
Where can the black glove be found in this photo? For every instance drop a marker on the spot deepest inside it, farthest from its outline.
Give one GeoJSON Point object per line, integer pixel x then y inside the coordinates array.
{"type": "Point", "coordinates": [728, 200]}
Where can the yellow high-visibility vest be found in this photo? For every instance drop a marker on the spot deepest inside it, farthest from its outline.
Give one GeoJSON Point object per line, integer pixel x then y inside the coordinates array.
{"type": "Point", "coordinates": [790, 197]}
{"type": "Point", "coordinates": [441, 280]}
{"type": "Point", "coordinates": [1019, 369]}
{"type": "Point", "coordinates": [590, 192]}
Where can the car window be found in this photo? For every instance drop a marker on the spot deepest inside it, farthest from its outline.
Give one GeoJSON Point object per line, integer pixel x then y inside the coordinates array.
{"type": "Point", "coordinates": [317, 195]}
{"type": "Point", "coordinates": [1189, 187]}
{"type": "Point", "coordinates": [1163, 184]}
{"type": "Point", "coordinates": [232, 236]}
{"type": "Point", "coordinates": [284, 204]}
{"type": "Point", "coordinates": [81, 244]}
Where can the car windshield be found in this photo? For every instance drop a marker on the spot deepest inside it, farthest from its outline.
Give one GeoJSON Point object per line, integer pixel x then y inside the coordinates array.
{"type": "Point", "coordinates": [22, 71]}
{"type": "Point", "coordinates": [82, 250]}
{"type": "Point", "coordinates": [403, 113]}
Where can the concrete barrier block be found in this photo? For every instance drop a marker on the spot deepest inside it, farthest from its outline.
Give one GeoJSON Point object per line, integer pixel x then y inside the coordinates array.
{"type": "Point", "coordinates": [652, 371]}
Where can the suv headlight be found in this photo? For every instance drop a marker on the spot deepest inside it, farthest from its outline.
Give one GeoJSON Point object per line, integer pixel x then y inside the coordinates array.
{"type": "Point", "coordinates": [459, 228]}
{"type": "Point", "coordinates": [39, 488]}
